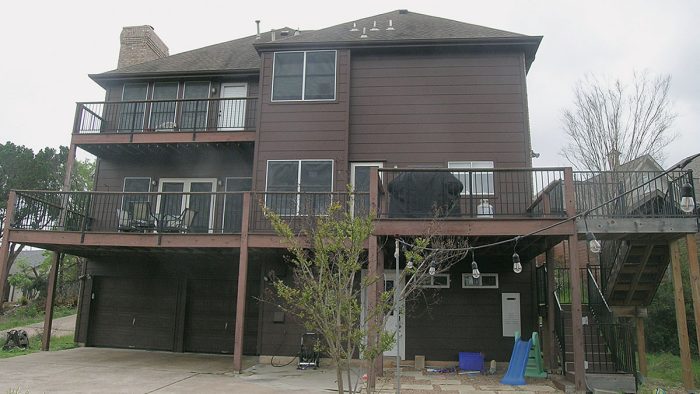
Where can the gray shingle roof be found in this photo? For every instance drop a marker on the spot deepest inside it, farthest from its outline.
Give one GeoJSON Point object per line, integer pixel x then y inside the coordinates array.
{"type": "Point", "coordinates": [406, 25]}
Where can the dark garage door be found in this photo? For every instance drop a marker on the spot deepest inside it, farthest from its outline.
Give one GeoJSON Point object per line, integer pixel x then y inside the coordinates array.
{"type": "Point", "coordinates": [211, 316]}
{"type": "Point", "coordinates": [133, 313]}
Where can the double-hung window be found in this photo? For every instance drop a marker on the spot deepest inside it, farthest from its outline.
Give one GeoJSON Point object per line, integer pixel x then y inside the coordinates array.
{"type": "Point", "coordinates": [306, 75]}
{"type": "Point", "coordinates": [475, 176]}
{"type": "Point", "coordinates": [299, 187]}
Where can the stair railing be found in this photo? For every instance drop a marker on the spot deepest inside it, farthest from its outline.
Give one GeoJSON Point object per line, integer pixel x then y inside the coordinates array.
{"type": "Point", "coordinates": [559, 330]}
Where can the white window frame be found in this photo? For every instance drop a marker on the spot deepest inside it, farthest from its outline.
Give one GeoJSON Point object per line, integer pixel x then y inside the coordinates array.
{"type": "Point", "coordinates": [472, 165]}
{"type": "Point", "coordinates": [480, 286]}
{"type": "Point", "coordinates": [206, 116]}
{"type": "Point", "coordinates": [353, 166]}
{"type": "Point", "coordinates": [136, 177]}
{"type": "Point", "coordinates": [303, 77]}
{"type": "Point", "coordinates": [186, 187]}
{"type": "Point", "coordinates": [143, 118]}
{"type": "Point", "coordinates": [177, 102]}
{"type": "Point", "coordinates": [432, 284]}
{"type": "Point", "coordinates": [298, 192]}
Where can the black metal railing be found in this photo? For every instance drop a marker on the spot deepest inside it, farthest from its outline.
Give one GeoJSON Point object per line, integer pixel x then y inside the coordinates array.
{"type": "Point", "coordinates": [300, 209]}
{"type": "Point", "coordinates": [187, 115]}
{"type": "Point", "coordinates": [106, 212]}
{"type": "Point", "coordinates": [541, 289]}
{"type": "Point", "coordinates": [630, 193]}
{"type": "Point", "coordinates": [613, 253]}
{"type": "Point", "coordinates": [559, 330]}
{"type": "Point", "coordinates": [473, 193]}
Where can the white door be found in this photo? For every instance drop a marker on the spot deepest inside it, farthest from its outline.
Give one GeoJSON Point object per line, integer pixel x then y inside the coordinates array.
{"type": "Point", "coordinates": [178, 198]}
{"type": "Point", "coordinates": [232, 108]}
{"type": "Point", "coordinates": [390, 326]}
{"type": "Point", "coordinates": [359, 179]}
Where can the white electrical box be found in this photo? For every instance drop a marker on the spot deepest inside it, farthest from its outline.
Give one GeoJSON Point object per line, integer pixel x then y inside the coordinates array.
{"type": "Point", "coordinates": [510, 310]}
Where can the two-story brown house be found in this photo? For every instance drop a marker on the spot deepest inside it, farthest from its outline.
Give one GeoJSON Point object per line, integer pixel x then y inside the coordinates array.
{"type": "Point", "coordinates": [412, 110]}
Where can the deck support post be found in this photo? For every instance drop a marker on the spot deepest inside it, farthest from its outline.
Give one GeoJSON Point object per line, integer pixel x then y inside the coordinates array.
{"type": "Point", "coordinates": [241, 289]}
{"type": "Point", "coordinates": [681, 321]}
{"type": "Point", "coordinates": [70, 161]}
{"type": "Point", "coordinates": [5, 245]}
{"type": "Point", "coordinates": [694, 268]}
{"type": "Point", "coordinates": [641, 346]}
{"type": "Point", "coordinates": [50, 296]}
{"type": "Point", "coordinates": [375, 268]}
{"type": "Point", "coordinates": [576, 316]}
{"type": "Point", "coordinates": [551, 304]}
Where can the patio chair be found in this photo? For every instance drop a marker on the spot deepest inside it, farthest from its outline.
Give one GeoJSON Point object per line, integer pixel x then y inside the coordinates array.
{"type": "Point", "coordinates": [142, 218]}
{"type": "Point", "coordinates": [179, 224]}
{"type": "Point", "coordinates": [124, 222]}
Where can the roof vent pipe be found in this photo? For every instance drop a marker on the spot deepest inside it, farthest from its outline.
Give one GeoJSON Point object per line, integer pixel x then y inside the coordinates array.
{"type": "Point", "coordinates": [297, 32]}
{"type": "Point", "coordinates": [364, 33]}
{"type": "Point", "coordinates": [374, 28]}
{"type": "Point", "coordinates": [391, 25]}
{"type": "Point", "coordinates": [354, 26]}
{"type": "Point", "coordinates": [257, 23]}
{"type": "Point", "coordinates": [272, 35]}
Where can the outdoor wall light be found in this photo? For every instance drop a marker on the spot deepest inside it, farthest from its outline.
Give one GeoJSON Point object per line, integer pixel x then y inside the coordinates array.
{"type": "Point", "coordinates": [409, 265]}
{"type": "Point", "coordinates": [687, 200]}
{"type": "Point", "coordinates": [475, 270]}
{"type": "Point", "coordinates": [593, 244]}
{"type": "Point", "coordinates": [517, 267]}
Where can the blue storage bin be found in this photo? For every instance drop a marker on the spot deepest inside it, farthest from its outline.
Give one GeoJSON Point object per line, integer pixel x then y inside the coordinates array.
{"type": "Point", "coordinates": [471, 361]}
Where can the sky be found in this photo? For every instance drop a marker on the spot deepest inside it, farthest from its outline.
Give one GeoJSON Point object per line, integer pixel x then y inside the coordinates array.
{"type": "Point", "coordinates": [50, 47]}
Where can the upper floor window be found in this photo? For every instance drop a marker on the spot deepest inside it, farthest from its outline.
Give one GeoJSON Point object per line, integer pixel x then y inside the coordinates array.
{"type": "Point", "coordinates": [475, 176]}
{"type": "Point", "coordinates": [304, 76]}
{"type": "Point", "coordinates": [299, 187]}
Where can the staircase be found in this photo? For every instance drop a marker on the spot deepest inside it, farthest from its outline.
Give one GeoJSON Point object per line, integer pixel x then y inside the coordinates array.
{"type": "Point", "coordinates": [597, 356]}
{"type": "Point", "coordinates": [633, 271]}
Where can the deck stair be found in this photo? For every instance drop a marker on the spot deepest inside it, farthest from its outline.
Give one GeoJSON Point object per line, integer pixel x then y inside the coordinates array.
{"type": "Point", "coordinates": [633, 271]}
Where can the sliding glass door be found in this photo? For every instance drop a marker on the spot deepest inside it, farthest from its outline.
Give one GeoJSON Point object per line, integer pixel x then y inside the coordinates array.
{"type": "Point", "coordinates": [174, 205]}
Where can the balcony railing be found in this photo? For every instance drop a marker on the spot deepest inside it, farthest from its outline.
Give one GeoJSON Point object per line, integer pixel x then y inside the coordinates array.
{"type": "Point", "coordinates": [186, 115]}
{"type": "Point", "coordinates": [478, 193]}
{"type": "Point", "coordinates": [630, 193]}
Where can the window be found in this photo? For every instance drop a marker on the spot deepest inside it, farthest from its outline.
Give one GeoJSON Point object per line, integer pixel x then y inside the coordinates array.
{"type": "Point", "coordinates": [135, 185]}
{"type": "Point", "coordinates": [233, 202]}
{"type": "Point", "coordinates": [304, 76]}
{"type": "Point", "coordinates": [437, 281]}
{"type": "Point", "coordinates": [194, 113]}
{"type": "Point", "coordinates": [360, 184]}
{"type": "Point", "coordinates": [286, 179]}
{"type": "Point", "coordinates": [484, 281]}
{"type": "Point", "coordinates": [475, 179]}
{"type": "Point", "coordinates": [163, 113]}
{"type": "Point", "coordinates": [132, 113]}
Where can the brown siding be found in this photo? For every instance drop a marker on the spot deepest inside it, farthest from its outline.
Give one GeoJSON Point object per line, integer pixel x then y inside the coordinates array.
{"type": "Point", "coordinates": [425, 108]}
{"type": "Point", "coordinates": [469, 320]}
{"type": "Point", "coordinates": [304, 130]}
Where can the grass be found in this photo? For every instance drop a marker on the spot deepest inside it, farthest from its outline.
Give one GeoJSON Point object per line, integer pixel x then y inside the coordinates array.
{"type": "Point", "coordinates": [665, 372]}
{"type": "Point", "coordinates": [57, 343]}
{"type": "Point", "coordinates": [30, 314]}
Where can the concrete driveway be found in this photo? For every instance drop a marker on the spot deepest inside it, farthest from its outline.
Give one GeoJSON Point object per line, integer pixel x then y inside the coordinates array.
{"type": "Point", "coordinates": [95, 370]}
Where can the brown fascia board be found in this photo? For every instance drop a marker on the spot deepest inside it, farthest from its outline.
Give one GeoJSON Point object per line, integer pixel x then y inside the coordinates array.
{"type": "Point", "coordinates": [529, 44]}
{"type": "Point", "coordinates": [108, 77]}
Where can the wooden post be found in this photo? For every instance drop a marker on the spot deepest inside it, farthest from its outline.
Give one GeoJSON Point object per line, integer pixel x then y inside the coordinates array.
{"type": "Point", "coordinates": [5, 244]}
{"type": "Point", "coordinates": [681, 322]}
{"type": "Point", "coordinates": [551, 304]}
{"type": "Point", "coordinates": [69, 168]}
{"type": "Point", "coordinates": [575, 282]}
{"type": "Point", "coordinates": [641, 346]}
{"type": "Point", "coordinates": [372, 337]}
{"type": "Point", "coordinates": [50, 295]}
{"type": "Point", "coordinates": [242, 283]}
{"type": "Point", "coordinates": [694, 267]}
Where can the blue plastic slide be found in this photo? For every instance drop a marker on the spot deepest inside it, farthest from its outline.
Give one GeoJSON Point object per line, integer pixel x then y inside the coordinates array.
{"type": "Point", "coordinates": [515, 375]}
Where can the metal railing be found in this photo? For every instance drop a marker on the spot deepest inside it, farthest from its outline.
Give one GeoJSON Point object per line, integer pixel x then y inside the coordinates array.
{"type": "Point", "coordinates": [300, 209]}
{"type": "Point", "coordinates": [631, 193]}
{"type": "Point", "coordinates": [541, 286]}
{"type": "Point", "coordinates": [187, 115]}
{"type": "Point", "coordinates": [559, 330]}
{"type": "Point", "coordinates": [108, 212]}
{"type": "Point", "coordinates": [474, 193]}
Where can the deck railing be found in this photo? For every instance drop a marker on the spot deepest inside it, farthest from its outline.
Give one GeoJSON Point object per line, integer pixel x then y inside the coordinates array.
{"type": "Point", "coordinates": [473, 193]}
{"type": "Point", "coordinates": [630, 193]}
{"type": "Point", "coordinates": [186, 115]}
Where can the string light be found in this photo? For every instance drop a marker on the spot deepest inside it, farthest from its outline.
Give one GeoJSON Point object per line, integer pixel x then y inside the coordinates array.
{"type": "Point", "coordinates": [517, 267]}
{"type": "Point", "coordinates": [475, 267]}
{"type": "Point", "coordinates": [593, 244]}
{"type": "Point", "coordinates": [409, 264]}
{"type": "Point", "coordinates": [432, 269]}
{"type": "Point", "coordinates": [687, 200]}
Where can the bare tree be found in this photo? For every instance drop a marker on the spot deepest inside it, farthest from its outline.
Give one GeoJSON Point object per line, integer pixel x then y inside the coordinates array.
{"type": "Point", "coordinates": [608, 118]}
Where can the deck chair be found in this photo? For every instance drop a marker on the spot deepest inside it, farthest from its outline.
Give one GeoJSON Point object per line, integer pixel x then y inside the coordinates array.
{"type": "Point", "coordinates": [124, 222]}
{"type": "Point", "coordinates": [142, 218]}
{"type": "Point", "coordinates": [179, 224]}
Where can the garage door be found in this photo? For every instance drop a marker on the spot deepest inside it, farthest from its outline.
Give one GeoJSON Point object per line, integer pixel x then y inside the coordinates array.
{"type": "Point", "coordinates": [133, 313]}
{"type": "Point", "coordinates": [211, 316]}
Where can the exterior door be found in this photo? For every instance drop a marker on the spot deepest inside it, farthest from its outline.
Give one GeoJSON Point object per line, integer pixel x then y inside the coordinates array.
{"type": "Point", "coordinates": [210, 317]}
{"type": "Point", "coordinates": [233, 203]}
{"type": "Point", "coordinates": [172, 205]}
{"type": "Point", "coordinates": [390, 326]}
{"type": "Point", "coordinates": [232, 108]}
{"type": "Point", "coordinates": [360, 184]}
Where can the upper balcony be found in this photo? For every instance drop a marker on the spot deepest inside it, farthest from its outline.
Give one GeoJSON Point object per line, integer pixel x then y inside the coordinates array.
{"type": "Point", "coordinates": [100, 126]}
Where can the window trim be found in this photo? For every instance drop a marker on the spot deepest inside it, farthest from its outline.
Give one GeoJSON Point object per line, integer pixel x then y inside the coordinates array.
{"type": "Point", "coordinates": [432, 284]}
{"type": "Point", "coordinates": [143, 117]}
{"type": "Point", "coordinates": [186, 193]}
{"type": "Point", "coordinates": [298, 191]}
{"type": "Point", "coordinates": [150, 109]}
{"type": "Point", "coordinates": [469, 274]}
{"type": "Point", "coordinates": [136, 177]}
{"type": "Point", "coordinates": [467, 190]}
{"type": "Point", "coordinates": [303, 78]}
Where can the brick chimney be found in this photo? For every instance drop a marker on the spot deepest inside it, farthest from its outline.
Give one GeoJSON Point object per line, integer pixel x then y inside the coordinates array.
{"type": "Point", "coordinates": [140, 44]}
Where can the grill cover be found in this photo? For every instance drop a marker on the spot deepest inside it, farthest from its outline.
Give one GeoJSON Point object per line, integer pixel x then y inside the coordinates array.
{"type": "Point", "coordinates": [424, 194]}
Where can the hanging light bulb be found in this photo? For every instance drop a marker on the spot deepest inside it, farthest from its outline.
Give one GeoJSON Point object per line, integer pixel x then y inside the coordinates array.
{"type": "Point", "coordinates": [687, 200]}
{"type": "Point", "coordinates": [409, 265]}
{"type": "Point", "coordinates": [431, 270]}
{"type": "Point", "coordinates": [593, 243]}
{"type": "Point", "coordinates": [517, 267]}
{"type": "Point", "coordinates": [475, 270]}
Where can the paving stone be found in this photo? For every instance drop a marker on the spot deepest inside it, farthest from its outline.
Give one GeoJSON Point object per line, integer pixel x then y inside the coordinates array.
{"type": "Point", "coordinates": [446, 381]}
{"type": "Point", "coordinates": [470, 390]}
{"type": "Point", "coordinates": [538, 388]}
{"type": "Point", "coordinates": [417, 386]}
{"type": "Point", "coordinates": [499, 387]}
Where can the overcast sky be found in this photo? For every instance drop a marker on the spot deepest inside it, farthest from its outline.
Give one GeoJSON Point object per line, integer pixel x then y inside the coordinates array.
{"type": "Point", "coordinates": [48, 48]}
